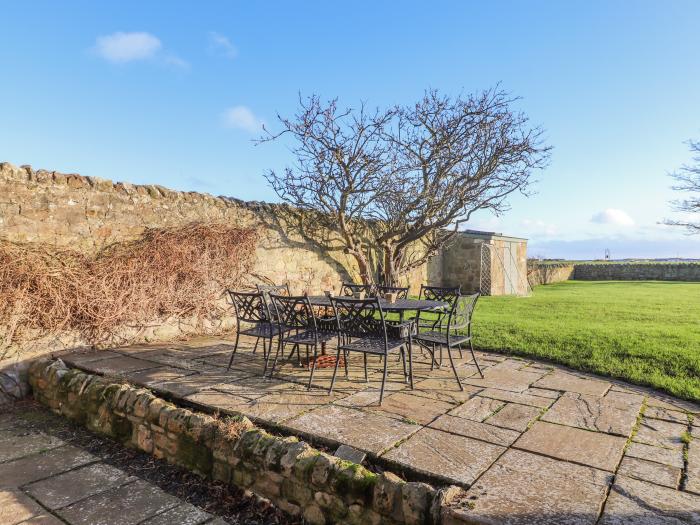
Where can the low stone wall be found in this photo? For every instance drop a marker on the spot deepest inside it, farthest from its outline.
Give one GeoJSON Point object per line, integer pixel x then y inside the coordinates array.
{"type": "Point", "coordinates": [637, 272]}
{"type": "Point", "coordinates": [538, 273]}
{"type": "Point", "coordinates": [294, 476]}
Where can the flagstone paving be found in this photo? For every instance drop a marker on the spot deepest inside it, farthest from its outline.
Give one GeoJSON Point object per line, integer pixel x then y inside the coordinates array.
{"type": "Point", "coordinates": [46, 481]}
{"type": "Point", "coordinates": [528, 443]}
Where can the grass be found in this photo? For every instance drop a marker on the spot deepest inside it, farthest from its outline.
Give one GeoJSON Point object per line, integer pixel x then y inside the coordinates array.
{"type": "Point", "coordinates": [645, 332]}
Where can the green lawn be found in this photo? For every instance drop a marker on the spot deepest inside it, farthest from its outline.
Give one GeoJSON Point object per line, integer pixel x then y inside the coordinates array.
{"type": "Point", "coordinates": [646, 332]}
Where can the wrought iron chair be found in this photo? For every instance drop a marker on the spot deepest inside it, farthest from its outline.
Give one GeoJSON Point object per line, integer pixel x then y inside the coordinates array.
{"type": "Point", "coordinates": [298, 326]}
{"type": "Point", "coordinates": [400, 291]}
{"type": "Point", "coordinates": [350, 289]}
{"type": "Point", "coordinates": [362, 328]}
{"type": "Point", "coordinates": [445, 294]}
{"type": "Point", "coordinates": [457, 332]}
{"type": "Point", "coordinates": [252, 308]}
{"type": "Point", "coordinates": [266, 290]}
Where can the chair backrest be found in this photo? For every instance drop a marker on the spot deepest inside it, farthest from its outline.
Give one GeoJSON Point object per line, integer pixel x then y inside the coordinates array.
{"type": "Point", "coordinates": [359, 317]}
{"type": "Point", "coordinates": [400, 291]}
{"type": "Point", "coordinates": [461, 312]}
{"type": "Point", "coordinates": [277, 289]}
{"type": "Point", "coordinates": [250, 307]}
{"type": "Point", "coordinates": [294, 311]}
{"type": "Point", "coordinates": [446, 294]}
{"type": "Point", "coordinates": [349, 289]}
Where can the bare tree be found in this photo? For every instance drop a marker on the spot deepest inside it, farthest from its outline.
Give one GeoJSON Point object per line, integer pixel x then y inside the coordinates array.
{"type": "Point", "coordinates": [687, 179]}
{"type": "Point", "coordinates": [398, 183]}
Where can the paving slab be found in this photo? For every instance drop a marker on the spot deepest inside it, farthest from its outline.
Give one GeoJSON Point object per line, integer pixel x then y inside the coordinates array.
{"type": "Point", "coordinates": [650, 471]}
{"type": "Point", "coordinates": [660, 433]}
{"type": "Point", "coordinates": [614, 413]}
{"type": "Point", "coordinates": [659, 400]}
{"type": "Point", "coordinates": [456, 458]}
{"type": "Point", "coordinates": [594, 449]}
{"type": "Point", "coordinates": [516, 397]}
{"type": "Point", "coordinates": [476, 430]}
{"type": "Point", "coordinates": [634, 502]}
{"type": "Point", "coordinates": [43, 519]}
{"type": "Point", "coordinates": [569, 382]}
{"type": "Point", "coordinates": [280, 406]}
{"type": "Point", "coordinates": [369, 396]}
{"type": "Point", "coordinates": [183, 514]}
{"type": "Point", "coordinates": [666, 456]}
{"type": "Point", "coordinates": [157, 375]}
{"type": "Point", "coordinates": [43, 465]}
{"type": "Point", "coordinates": [528, 489]}
{"type": "Point", "coordinates": [81, 358]}
{"type": "Point", "coordinates": [368, 431]}
{"type": "Point", "coordinates": [514, 416]}
{"type": "Point", "coordinates": [64, 489]}
{"type": "Point", "coordinates": [478, 408]}
{"type": "Point", "coordinates": [19, 441]}
{"type": "Point", "coordinates": [413, 408]}
{"type": "Point", "coordinates": [16, 507]}
{"type": "Point", "coordinates": [666, 414]}
{"type": "Point", "coordinates": [127, 505]}
{"type": "Point", "coordinates": [121, 365]}
{"type": "Point", "coordinates": [444, 389]}
{"type": "Point", "coordinates": [254, 387]}
{"type": "Point", "coordinates": [693, 472]}
{"type": "Point", "coordinates": [206, 379]}
{"type": "Point", "coordinates": [543, 392]}
{"type": "Point", "coordinates": [503, 378]}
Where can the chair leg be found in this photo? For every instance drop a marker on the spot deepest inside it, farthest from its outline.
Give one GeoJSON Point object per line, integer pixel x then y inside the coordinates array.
{"type": "Point", "coordinates": [410, 363]}
{"type": "Point", "coordinates": [381, 392]}
{"type": "Point", "coordinates": [471, 349]}
{"type": "Point", "coordinates": [255, 348]}
{"type": "Point", "coordinates": [313, 366]}
{"type": "Point", "coordinates": [280, 348]}
{"type": "Point", "coordinates": [365, 358]}
{"type": "Point", "coordinates": [345, 363]}
{"type": "Point", "coordinates": [459, 347]}
{"type": "Point", "coordinates": [233, 354]}
{"type": "Point", "coordinates": [402, 356]}
{"type": "Point", "coordinates": [269, 351]}
{"type": "Point", "coordinates": [454, 369]}
{"type": "Point", "coordinates": [335, 371]}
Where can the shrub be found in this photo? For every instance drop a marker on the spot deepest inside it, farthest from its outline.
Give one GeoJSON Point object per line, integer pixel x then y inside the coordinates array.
{"type": "Point", "coordinates": [167, 272]}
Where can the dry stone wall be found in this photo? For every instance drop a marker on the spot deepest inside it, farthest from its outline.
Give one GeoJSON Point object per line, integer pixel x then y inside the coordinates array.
{"type": "Point", "coordinates": [638, 272]}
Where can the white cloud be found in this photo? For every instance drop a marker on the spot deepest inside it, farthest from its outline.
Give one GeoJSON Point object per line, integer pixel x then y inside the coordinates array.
{"type": "Point", "coordinates": [241, 117]}
{"type": "Point", "coordinates": [537, 227]}
{"type": "Point", "coordinates": [120, 48]}
{"type": "Point", "coordinates": [125, 47]}
{"type": "Point", "coordinates": [222, 45]}
{"type": "Point", "coordinates": [613, 216]}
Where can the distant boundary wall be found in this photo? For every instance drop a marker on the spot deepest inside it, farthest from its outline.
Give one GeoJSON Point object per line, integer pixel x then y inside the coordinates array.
{"type": "Point", "coordinates": [637, 272]}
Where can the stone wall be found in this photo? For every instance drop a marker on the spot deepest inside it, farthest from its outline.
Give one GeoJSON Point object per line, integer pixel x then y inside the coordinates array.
{"type": "Point", "coordinates": [294, 476]}
{"type": "Point", "coordinates": [543, 273]}
{"type": "Point", "coordinates": [637, 272]}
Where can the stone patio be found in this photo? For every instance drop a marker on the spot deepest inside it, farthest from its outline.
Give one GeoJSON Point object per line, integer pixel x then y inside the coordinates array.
{"type": "Point", "coordinates": [531, 443]}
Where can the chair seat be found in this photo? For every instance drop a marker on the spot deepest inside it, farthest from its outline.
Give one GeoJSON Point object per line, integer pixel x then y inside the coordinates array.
{"type": "Point", "coordinates": [372, 345]}
{"type": "Point", "coordinates": [440, 338]}
{"type": "Point", "coordinates": [307, 337]}
{"type": "Point", "coordinates": [265, 330]}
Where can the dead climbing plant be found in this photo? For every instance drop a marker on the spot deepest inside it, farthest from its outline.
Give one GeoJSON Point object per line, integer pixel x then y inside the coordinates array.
{"type": "Point", "coordinates": [177, 272]}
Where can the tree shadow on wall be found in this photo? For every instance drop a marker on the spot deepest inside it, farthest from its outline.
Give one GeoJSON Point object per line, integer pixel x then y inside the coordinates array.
{"type": "Point", "coordinates": [298, 229]}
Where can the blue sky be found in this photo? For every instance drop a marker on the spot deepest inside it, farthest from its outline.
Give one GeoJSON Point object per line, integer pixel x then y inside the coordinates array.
{"type": "Point", "coordinates": [172, 93]}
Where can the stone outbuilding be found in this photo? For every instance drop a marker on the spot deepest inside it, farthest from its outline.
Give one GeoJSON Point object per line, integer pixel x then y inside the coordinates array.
{"type": "Point", "coordinates": [489, 262]}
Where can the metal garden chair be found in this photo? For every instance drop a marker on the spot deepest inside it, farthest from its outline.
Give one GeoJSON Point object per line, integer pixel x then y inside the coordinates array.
{"type": "Point", "coordinates": [400, 291]}
{"type": "Point", "coordinates": [252, 308]}
{"type": "Point", "coordinates": [266, 290]}
{"type": "Point", "coordinates": [457, 332]}
{"type": "Point", "coordinates": [350, 289]}
{"type": "Point", "coordinates": [298, 326]}
{"type": "Point", "coordinates": [363, 328]}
